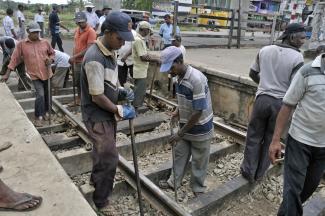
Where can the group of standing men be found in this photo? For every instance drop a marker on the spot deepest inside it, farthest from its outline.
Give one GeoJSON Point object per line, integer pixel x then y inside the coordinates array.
{"type": "Point", "coordinates": [286, 86]}
{"type": "Point", "coordinates": [283, 85]}
{"type": "Point", "coordinates": [9, 26]}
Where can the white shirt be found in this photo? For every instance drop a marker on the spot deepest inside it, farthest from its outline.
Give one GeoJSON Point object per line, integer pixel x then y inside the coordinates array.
{"type": "Point", "coordinates": [92, 18]}
{"type": "Point", "coordinates": [125, 49]}
{"type": "Point", "coordinates": [38, 18]}
{"type": "Point", "coordinates": [183, 50]}
{"type": "Point", "coordinates": [8, 25]}
{"type": "Point", "coordinates": [102, 19]}
{"type": "Point", "coordinates": [20, 15]}
{"type": "Point", "coordinates": [61, 59]}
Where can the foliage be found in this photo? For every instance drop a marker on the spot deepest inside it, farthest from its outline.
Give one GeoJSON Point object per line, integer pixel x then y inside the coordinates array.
{"type": "Point", "coordinates": [137, 4]}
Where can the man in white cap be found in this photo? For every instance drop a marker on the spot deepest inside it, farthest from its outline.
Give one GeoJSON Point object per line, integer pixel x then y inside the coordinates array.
{"type": "Point", "coordinates": [37, 54]}
{"type": "Point", "coordinates": [195, 117]}
{"type": "Point", "coordinates": [141, 59]}
{"type": "Point", "coordinates": [92, 18]}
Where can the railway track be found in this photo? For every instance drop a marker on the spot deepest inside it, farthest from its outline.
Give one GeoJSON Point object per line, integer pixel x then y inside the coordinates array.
{"type": "Point", "coordinates": [227, 194]}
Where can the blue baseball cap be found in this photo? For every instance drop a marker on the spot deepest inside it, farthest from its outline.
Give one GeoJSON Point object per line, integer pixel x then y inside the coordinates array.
{"type": "Point", "coordinates": [168, 56]}
{"type": "Point", "coordinates": [121, 23]}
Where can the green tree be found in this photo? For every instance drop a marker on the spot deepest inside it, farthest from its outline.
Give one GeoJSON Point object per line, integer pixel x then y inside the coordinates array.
{"type": "Point", "coordinates": [138, 4]}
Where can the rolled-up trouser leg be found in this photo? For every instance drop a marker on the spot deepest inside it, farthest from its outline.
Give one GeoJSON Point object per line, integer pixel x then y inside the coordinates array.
{"type": "Point", "coordinates": [182, 157]}
{"type": "Point", "coordinates": [105, 159]}
{"type": "Point", "coordinates": [140, 86]}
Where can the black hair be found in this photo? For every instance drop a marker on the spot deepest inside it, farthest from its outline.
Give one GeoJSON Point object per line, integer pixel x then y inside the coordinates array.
{"type": "Point", "coordinates": [320, 49]}
{"type": "Point", "coordinates": [9, 11]}
{"type": "Point", "coordinates": [98, 13]}
{"type": "Point", "coordinates": [167, 16]}
{"type": "Point", "coordinates": [106, 27]}
{"type": "Point", "coordinates": [179, 59]}
{"type": "Point", "coordinates": [10, 43]}
{"type": "Point", "coordinates": [20, 6]}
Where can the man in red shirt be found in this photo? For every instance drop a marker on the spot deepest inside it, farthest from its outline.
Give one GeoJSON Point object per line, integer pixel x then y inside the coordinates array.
{"type": "Point", "coordinates": [37, 54]}
{"type": "Point", "coordinates": [84, 36]}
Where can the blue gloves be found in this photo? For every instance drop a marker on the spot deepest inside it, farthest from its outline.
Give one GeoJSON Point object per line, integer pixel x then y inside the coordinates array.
{"type": "Point", "coordinates": [125, 112]}
{"type": "Point", "coordinates": [125, 94]}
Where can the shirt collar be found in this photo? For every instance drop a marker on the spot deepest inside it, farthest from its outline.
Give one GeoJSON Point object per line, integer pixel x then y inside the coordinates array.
{"type": "Point", "coordinates": [318, 61]}
{"type": "Point", "coordinates": [102, 48]}
{"type": "Point", "coordinates": [140, 36]}
{"type": "Point", "coordinates": [188, 72]}
{"type": "Point", "coordinates": [28, 40]}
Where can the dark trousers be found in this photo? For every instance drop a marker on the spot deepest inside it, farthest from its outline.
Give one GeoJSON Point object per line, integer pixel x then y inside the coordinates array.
{"type": "Point", "coordinates": [105, 159]}
{"type": "Point", "coordinates": [41, 25]}
{"type": "Point", "coordinates": [24, 82]}
{"type": "Point", "coordinates": [259, 136]}
{"type": "Point", "coordinates": [123, 73]}
{"type": "Point", "coordinates": [140, 87]}
{"type": "Point", "coordinates": [42, 97]}
{"type": "Point", "coordinates": [304, 166]}
{"type": "Point", "coordinates": [56, 39]}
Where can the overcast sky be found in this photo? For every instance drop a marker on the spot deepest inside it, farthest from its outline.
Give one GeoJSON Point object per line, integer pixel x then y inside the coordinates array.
{"type": "Point", "coordinates": [43, 1]}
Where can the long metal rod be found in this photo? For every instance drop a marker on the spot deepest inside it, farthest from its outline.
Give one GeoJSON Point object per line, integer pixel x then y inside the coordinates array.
{"type": "Point", "coordinates": [173, 155]}
{"type": "Point", "coordinates": [74, 84]}
{"type": "Point", "coordinates": [135, 164]}
{"type": "Point", "coordinates": [49, 99]}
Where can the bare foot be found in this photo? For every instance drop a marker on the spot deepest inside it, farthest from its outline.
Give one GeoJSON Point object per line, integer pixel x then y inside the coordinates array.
{"type": "Point", "coordinates": [14, 201]}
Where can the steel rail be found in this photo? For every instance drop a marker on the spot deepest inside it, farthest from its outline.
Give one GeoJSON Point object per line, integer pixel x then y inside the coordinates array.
{"type": "Point", "coordinates": [221, 128]}
{"type": "Point", "coordinates": [151, 192]}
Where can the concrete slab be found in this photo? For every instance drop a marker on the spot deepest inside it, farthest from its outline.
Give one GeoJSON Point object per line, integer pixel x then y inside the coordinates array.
{"type": "Point", "coordinates": [29, 166]}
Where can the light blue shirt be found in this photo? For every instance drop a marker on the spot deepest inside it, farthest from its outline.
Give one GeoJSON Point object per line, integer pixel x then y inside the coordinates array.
{"type": "Point", "coordinates": [166, 31]}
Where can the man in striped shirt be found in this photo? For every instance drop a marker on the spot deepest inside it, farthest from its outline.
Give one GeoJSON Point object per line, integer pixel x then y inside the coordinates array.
{"type": "Point", "coordinates": [195, 117]}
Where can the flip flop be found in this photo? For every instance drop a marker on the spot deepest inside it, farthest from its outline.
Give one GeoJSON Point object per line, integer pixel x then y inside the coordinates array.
{"type": "Point", "coordinates": [25, 200]}
{"type": "Point", "coordinates": [5, 146]}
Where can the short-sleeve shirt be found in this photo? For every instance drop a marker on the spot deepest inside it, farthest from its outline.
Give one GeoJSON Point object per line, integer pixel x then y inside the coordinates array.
{"type": "Point", "coordinates": [166, 31]}
{"type": "Point", "coordinates": [82, 39]}
{"type": "Point", "coordinates": [92, 19]}
{"type": "Point", "coordinates": [193, 94]}
{"type": "Point", "coordinates": [54, 22]}
{"type": "Point", "coordinates": [20, 15]}
{"type": "Point", "coordinates": [98, 76]}
{"type": "Point", "coordinates": [39, 18]}
{"type": "Point", "coordinates": [8, 25]}
{"type": "Point", "coordinates": [61, 59]}
{"type": "Point", "coordinates": [139, 48]}
{"type": "Point", "coordinates": [307, 93]}
{"type": "Point", "coordinates": [276, 65]}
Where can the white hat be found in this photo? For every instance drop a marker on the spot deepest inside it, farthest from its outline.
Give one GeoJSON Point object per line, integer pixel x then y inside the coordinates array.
{"type": "Point", "coordinates": [89, 5]}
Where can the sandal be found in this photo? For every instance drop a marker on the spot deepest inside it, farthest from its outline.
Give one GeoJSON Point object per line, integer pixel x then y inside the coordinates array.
{"type": "Point", "coordinates": [23, 204]}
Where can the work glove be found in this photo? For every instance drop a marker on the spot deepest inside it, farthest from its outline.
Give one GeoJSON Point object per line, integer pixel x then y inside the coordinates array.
{"type": "Point", "coordinates": [125, 112]}
{"type": "Point", "coordinates": [125, 94]}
